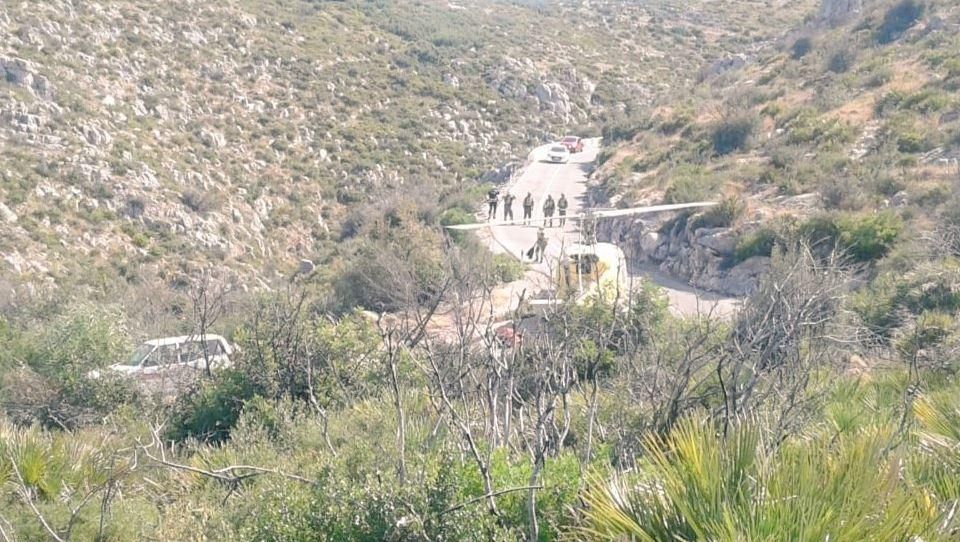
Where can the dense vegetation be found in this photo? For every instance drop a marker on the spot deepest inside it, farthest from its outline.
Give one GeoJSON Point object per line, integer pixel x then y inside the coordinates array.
{"type": "Point", "coordinates": [613, 420]}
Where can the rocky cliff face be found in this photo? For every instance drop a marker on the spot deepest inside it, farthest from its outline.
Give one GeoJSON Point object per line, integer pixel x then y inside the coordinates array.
{"type": "Point", "coordinates": [699, 255]}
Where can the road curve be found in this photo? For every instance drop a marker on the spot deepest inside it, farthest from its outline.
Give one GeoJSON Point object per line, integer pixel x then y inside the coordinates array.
{"type": "Point", "coordinates": [540, 178]}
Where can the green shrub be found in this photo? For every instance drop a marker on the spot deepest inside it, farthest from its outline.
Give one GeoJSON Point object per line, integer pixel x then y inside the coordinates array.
{"type": "Point", "coordinates": [723, 215]}
{"type": "Point", "coordinates": [691, 183]}
{"type": "Point", "coordinates": [623, 130]}
{"type": "Point", "coordinates": [680, 120]}
{"type": "Point", "coordinates": [506, 268]}
{"type": "Point", "coordinates": [201, 202]}
{"type": "Point", "coordinates": [890, 101]}
{"type": "Point", "coordinates": [842, 60]}
{"type": "Point", "coordinates": [898, 20]}
{"type": "Point", "coordinates": [700, 484]}
{"type": "Point", "coordinates": [929, 330]}
{"type": "Point", "coordinates": [926, 101]}
{"type": "Point", "coordinates": [454, 216]}
{"type": "Point", "coordinates": [756, 243]}
{"type": "Point", "coordinates": [869, 237]}
{"type": "Point", "coordinates": [894, 297]}
{"type": "Point", "coordinates": [734, 133]}
{"type": "Point", "coordinates": [807, 126]}
{"type": "Point", "coordinates": [801, 47]}
{"type": "Point", "coordinates": [209, 412]}
{"type": "Point", "coordinates": [55, 386]}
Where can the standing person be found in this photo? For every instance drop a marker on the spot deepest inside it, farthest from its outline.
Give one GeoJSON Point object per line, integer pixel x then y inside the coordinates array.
{"type": "Point", "coordinates": [493, 196]}
{"type": "Point", "coordinates": [562, 209]}
{"type": "Point", "coordinates": [541, 246]}
{"type": "Point", "coordinates": [548, 207]}
{"type": "Point", "coordinates": [508, 206]}
{"type": "Point", "coordinates": [527, 208]}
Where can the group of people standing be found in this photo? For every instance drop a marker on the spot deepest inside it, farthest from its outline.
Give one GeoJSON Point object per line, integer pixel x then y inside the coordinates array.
{"type": "Point", "coordinates": [549, 207]}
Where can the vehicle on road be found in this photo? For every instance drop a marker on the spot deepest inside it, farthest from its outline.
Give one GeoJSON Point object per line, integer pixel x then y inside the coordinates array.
{"type": "Point", "coordinates": [559, 154]}
{"type": "Point", "coordinates": [572, 143]}
{"type": "Point", "coordinates": [170, 356]}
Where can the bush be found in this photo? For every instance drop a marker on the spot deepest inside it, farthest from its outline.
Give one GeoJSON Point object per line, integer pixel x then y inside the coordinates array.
{"type": "Point", "coordinates": [507, 268]}
{"type": "Point", "coordinates": [452, 217]}
{"type": "Point", "coordinates": [801, 47]}
{"type": "Point", "coordinates": [868, 237]}
{"type": "Point", "coordinates": [53, 387]}
{"type": "Point", "coordinates": [209, 412]}
{"type": "Point", "coordinates": [734, 133]}
{"type": "Point", "coordinates": [201, 202]}
{"type": "Point", "coordinates": [841, 61]}
{"type": "Point", "coordinates": [700, 484]}
{"type": "Point", "coordinates": [691, 183]}
{"type": "Point", "coordinates": [898, 19]}
{"type": "Point", "coordinates": [756, 243]}
{"type": "Point", "coordinates": [400, 264]}
{"type": "Point", "coordinates": [724, 215]}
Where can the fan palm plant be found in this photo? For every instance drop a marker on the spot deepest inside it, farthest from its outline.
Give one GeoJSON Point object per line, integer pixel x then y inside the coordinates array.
{"type": "Point", "coordinates": [695, 484]}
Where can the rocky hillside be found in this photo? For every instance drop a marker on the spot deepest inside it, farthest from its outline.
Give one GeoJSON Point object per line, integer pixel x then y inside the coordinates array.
{"type": "Point", "coordinates": [143, 139]}
{"type": "Point", "coordinates": [847, 131]}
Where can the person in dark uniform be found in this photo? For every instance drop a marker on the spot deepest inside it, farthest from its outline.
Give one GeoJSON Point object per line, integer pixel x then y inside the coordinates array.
{"type": "Point", "coordinates": [508, 206]}
{"type": "Point", "coordinates": [548, 207]}
{"type": "Point", "coordinates": [562, 209]}
{"type": "Point", "coordinates": [493, 196]}
{"type": "Point", "coordinates": [527, 208]}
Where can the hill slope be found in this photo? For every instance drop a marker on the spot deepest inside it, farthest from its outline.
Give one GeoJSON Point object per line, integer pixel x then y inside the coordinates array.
{"type": "Point", "coordinates": [855, 112]}
{"type": "Point", "coordinates": [140, 136]}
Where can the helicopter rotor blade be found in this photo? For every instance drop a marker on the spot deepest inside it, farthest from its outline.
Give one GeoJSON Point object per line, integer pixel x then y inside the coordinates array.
{"type": "Point", "coordinates": [608, 213]}
{"type": "Point", "coordinates": [494, 223]}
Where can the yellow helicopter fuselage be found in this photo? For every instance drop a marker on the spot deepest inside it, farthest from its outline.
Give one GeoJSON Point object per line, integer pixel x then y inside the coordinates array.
{"type": "Point", "coordinates": [585, 270]}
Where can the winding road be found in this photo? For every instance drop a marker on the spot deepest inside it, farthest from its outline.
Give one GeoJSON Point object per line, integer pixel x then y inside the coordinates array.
{"type": "Point", "coordinates": [540, 178]}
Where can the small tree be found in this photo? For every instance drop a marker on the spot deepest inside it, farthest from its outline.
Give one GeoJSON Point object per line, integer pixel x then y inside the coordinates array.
{"type": "Point", "coordinates": [801, 47]}
{"type": "Point", "coordinates": [898, 20]}
{"type": "Point", "coordinates": [734, 132]}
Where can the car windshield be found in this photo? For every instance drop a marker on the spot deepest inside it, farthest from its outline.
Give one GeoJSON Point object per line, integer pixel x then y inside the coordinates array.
{"type": "Point", "coordinates": [569, 140]}
{"type": "Point", "coordinates": [141, 352]}
{"type": "Point", "coordinates": [559, 149]}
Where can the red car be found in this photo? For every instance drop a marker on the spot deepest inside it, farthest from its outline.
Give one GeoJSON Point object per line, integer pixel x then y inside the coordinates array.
{"type": "Point", "coordinates": [572, 143]}
{"type": "Point", "coordinates": [509, 337]}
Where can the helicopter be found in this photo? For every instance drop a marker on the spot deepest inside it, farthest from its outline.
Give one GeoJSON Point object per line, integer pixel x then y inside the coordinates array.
{"type": "Point", "coordinates": [585, 268]}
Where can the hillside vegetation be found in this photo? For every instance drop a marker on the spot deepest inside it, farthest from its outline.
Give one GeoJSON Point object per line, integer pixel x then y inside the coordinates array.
{"type": "Point", "coordinates": [145, 140]}
{"type": "Point", "coordinates": [845, 134]}
{"type": "Point", "coordinates": [167, 166]}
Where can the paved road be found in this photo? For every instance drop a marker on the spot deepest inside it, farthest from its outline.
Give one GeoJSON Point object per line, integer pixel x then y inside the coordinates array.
{"type": "Point", "coordinates": [542, 177]}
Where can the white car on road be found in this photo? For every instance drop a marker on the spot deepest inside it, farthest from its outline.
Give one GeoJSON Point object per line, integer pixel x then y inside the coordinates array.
{"type": "Point", "coordinates": [559, 154]}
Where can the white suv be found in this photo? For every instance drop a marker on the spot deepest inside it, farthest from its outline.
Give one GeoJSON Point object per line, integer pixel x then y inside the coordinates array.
{"type": "Point", "coordinates": [158, 358]}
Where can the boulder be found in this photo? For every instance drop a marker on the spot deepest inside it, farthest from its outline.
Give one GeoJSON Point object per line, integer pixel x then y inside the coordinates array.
{"type": "Point", "coordinates": [720, 240]}
{"type": "Point", "coordinates": [6, 214]}
{"type": "Point", "coordinates": [306, 267]}
{"type": "Point", "coordinates": [650, 241]}
{"type": "Point", "coordinates": [742, 279]}
{"type": "Point", "coordinates": [22, 73]}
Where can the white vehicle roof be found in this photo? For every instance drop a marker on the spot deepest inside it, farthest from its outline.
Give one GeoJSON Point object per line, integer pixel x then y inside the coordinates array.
{"type": "Point", "coordinates": [166, 341]}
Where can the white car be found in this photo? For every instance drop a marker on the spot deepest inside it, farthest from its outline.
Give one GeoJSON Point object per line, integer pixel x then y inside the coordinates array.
{"type": "Point", "coordinates": [559, 154]}
{"type": "Point", "coordinates": [172, 355]}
